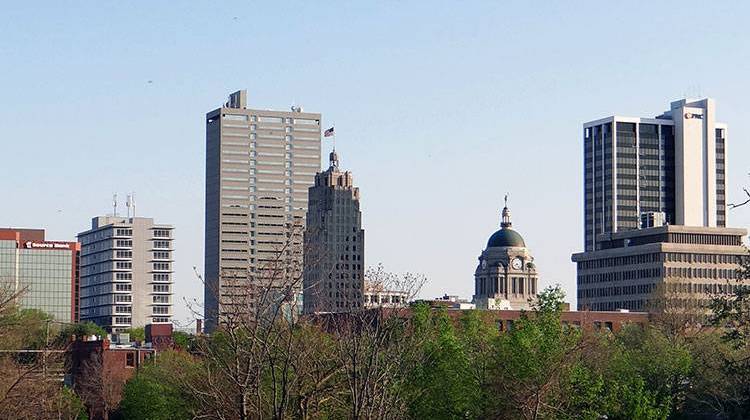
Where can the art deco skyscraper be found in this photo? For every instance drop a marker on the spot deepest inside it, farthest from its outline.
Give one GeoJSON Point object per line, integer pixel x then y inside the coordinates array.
{"type": "Point", "coordinates": [673, 163]}
{"type": "Point", "coordinates": [334, 243]}
{"type": "Point", "coordinates": [259, 166]}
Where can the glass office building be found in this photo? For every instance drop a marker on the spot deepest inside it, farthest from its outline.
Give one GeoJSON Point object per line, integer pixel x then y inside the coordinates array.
{"type": "Point", "coordinates": [44, 273]}
{"type": "Point", "coordinates": [674, 164]}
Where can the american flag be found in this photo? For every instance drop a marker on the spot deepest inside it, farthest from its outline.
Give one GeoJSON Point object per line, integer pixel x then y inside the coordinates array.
{"type": "Point", "coordinates": [328, 133]}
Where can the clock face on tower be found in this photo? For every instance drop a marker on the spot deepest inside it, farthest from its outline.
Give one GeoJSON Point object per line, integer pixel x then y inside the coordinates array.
{"type": "Point", "coordinates": [516, 263]}
{"type": "Point", "coordinates": [484, 263]}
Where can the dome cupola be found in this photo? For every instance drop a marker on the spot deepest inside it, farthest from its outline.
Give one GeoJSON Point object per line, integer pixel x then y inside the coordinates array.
{"type": "Point", "coordinates": [506, 237]}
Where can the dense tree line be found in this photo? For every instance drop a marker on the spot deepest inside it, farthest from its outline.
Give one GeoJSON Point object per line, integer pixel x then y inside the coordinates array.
{"type": "Point", "coordinates": [30, 380]}
{"type": "Point", "coordinates": [418, 362]}
{"type": "Point", "coordinates": [428, 364]}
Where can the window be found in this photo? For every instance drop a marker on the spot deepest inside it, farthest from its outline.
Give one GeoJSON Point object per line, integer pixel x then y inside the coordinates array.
{"type": "Point", "coordinates": [161, 288]}
{"type": "Point", "coordinates": [161, 266]}
{"type": "Point", "coordinates": [161, 277]}
{"type": "Point", "coordinates": [161, 233]}
{"type": "Point", "coordinates": [124, 243]}
{"type": "Point", "coordinates": [130, 359]}
{"type": "Point", "coordinates": [161, 299]}
{"type": "Point", "coordinates": [164, 244]}
{"type": "Point", "coordinates": [161, 310]}
{"type": "Point", "coordinates": [124, 232]}
{"type": "Point", "coordinates": [161, 255]}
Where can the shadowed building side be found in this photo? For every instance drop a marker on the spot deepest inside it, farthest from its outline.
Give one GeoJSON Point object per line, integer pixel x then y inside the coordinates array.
{"type": "Point", "coordinates": [334, 243]}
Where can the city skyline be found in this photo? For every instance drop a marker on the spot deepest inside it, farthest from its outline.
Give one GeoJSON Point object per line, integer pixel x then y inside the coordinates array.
{"type": "Point", "coordinates": [413, 127]}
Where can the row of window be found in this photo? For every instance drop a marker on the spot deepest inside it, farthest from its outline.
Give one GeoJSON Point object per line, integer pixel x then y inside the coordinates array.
{"type": "Point", "coordinates": [492, 285]}
{"type": "Point", "coordinates": [624, 275]}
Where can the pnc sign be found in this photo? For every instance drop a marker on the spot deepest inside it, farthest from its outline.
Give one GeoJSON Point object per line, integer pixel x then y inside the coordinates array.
{"type": "Point", "coordinates": [46, 245]}
{"type": "Point", "coordinates": [689, 115]}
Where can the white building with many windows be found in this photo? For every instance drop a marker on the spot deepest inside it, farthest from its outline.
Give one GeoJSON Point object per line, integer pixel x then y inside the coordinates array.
{"type": "Point", "coordinates": [126, 272]}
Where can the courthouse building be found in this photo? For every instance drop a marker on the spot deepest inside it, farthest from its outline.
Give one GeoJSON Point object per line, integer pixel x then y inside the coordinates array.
{"type": "Point", "coordinates": [506, 276]}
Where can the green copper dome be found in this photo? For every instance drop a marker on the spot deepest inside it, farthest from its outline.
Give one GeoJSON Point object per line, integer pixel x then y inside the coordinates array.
{"type": "Point", "coordinates": [506, 237]}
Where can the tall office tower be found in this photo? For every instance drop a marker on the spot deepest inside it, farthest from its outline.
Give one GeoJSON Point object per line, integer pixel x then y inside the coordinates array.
{"type": "Point", "coordinates": [126, 272]}
{"type": "Point", "coordinates": [334, 244]}
{"type": "Point", "coordinates": [44, 273]}
{"type": "Point", "coordinates": [673, 163]}
{"type": "Point", "coordinates": [259, 166]}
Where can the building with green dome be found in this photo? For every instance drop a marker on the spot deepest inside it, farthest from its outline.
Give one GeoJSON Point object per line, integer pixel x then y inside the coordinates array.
{"type": "Point", "coordinates": [506, 276]}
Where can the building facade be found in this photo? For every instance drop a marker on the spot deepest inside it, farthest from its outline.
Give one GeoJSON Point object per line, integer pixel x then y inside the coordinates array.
{"type": "Point", "coordinates": [674, 163]}
{"type": "Point", "coordinates": [126, 272]}
{"type": "Point", "coordinates": [43, 273]}
{"type": "Point", "coordinates": [334, 243]}
{"type": "Point", "coordinates": [689, 264]}
{"type": "Point", "coordinates": [259, 167]}
{"type": "Point", "coordinates": [376, 296]}
{"type": "Point", "coordinates": [506, 276]}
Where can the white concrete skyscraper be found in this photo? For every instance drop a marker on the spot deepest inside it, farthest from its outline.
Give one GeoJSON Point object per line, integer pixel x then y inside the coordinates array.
{"type": "Point", "coordinates": [126, 272]}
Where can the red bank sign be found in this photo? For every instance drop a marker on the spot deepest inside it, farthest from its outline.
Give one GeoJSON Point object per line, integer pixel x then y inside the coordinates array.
{"type": "Point", "coordinates": [47, 245]}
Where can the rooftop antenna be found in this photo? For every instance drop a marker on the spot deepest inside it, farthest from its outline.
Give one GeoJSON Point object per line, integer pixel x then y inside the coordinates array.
{"type": "Point", "coordinates": [130, 203]}
{"type": "Point", "coordinates": [114, 205]}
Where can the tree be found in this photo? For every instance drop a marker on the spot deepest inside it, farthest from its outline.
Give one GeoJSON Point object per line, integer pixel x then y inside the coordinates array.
{"type": "Point", "coordinates": [30, 366]}
{"type": "Point", "coordinates": [731, 315]}
{"type": "Point", "coordinates": [535, 360]}
{"type": "Point", "coordinates": [447, 384]}
{"type": "Point", "coordinates": [376, 350]}
{"type": "Point", "coordinates": [153, 393]}
{"type": "Point", "coordinates": [81, 329]}
{"type": "Point", "coordinates": [248, 364]}
{"type": "Point", "coordinates": [649, 372]}
{"type": "Point", "coordinates": [182, 340]}
{"type": "Point", "coordinates": [100, 385]}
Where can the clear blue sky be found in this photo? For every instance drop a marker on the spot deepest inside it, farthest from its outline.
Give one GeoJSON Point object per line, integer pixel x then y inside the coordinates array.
{"type": "Point", "coordinates": [440, 108]}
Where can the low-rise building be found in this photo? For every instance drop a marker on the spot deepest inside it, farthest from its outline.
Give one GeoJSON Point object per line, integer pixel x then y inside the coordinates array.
{"type": "Point", "coordinates": [376, 296]}
{"type": "Point", "coordinates": [691, 264]}
{"type": "Point", "coordinates": [100, 366]}
{"type": "Point", "coordinates": [452, 302]}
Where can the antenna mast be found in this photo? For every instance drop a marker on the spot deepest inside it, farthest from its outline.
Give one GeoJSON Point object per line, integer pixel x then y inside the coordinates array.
{"type": "Point", "coordinates": [114, 205]}
{"type": "Point", "coordinates": [130, 203]}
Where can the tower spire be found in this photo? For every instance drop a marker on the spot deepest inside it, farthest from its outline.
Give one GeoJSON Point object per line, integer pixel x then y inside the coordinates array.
{"type": "Point", "coordinates": [334, 158]}
{"type": "Point", "coordinates": [506, 223]}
